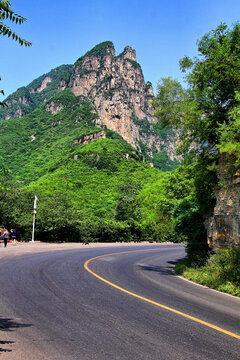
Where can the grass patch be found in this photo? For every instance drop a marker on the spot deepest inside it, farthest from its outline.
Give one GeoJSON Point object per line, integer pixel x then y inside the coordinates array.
{"type": "Point", "coordinates": [221, 272]}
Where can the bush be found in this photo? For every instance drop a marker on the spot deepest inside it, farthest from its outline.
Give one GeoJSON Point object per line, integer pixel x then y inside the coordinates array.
{"type": "Point", "coordinates": [226, 265]}
{"type": "Point", "coordinates": [96, 230]}
{"type": "Point", "coordinates": [221, 272]}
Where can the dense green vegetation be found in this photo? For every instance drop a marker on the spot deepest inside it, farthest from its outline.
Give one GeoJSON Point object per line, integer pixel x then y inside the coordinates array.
{"type": "Point", "coordinates": [221, 271]}
{"type": "Point", "coordinates": [205, 112]}
{"type": "Point", "coordinates": [96, 190]}
{"type": "Point", "coordinates": [101, 195]}
{"type": "Point", "coordinates": [162, 161]}
{"type": "Point", "coordinates": [209, 104]}
{"type": "Point", "coordinates": [207, 116]}
{"type": "Point", "coordinates": [101, 49]}
{"type": "Point", "coordinates": [36, 142]}
{"type": "Point", "coordinates": [102, 190]}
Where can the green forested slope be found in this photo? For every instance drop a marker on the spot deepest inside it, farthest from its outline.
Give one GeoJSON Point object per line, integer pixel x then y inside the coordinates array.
{"type": "Point", "coordinates": [102, 190]}
{"type": "Point", "coordinates": [96, 190]}
{"type": "Point", "coordinates": [39, 92]}
{"type": "Point", "coordinates": [32, 97]}
{"type": "Point", "coordinates": [35, 142]}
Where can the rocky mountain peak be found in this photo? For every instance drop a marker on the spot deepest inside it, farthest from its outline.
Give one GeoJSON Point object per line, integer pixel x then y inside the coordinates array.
{"type": "Point", "coordinates": [115, 85]}
{"type": "Point", "coordinates": [129, 53]}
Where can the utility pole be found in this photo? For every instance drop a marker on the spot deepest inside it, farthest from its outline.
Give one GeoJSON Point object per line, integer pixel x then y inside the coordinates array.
{"type": "Point", "coordinates": [34, 215]}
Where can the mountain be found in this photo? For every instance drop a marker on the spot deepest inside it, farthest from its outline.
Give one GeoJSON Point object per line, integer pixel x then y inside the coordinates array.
{"type": "Point", "coordinates": [33, 143]}
{"type": "Point", "coordinates": [86, 146]}
{"type": "Point", "coordinates": [26, 99]}
{"type": "Point", "coordinates": [115, 87]}
{"type": "Point", "coordinates": [89, 181]}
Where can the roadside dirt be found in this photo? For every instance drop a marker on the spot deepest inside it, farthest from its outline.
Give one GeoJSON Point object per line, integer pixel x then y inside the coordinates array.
{"type": "Point", "coordinates": [21, 248]}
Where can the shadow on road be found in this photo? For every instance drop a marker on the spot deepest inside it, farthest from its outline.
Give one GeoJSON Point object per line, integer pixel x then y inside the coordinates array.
{"type": "Point", "coordinates": [7, 324]}
{"type": "Point", "coordinates": [162, 270]}
{"type": "Point", "coordinates": [175, 262]}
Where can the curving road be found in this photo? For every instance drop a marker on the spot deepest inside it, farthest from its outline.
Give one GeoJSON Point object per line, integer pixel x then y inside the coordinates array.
{"type": "Point", "coordinates": [51, 307]}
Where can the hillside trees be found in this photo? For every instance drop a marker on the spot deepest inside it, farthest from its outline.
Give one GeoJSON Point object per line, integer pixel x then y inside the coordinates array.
{"type": "Point", "coordinates": [206, 113]}
{"type": "Point", "coordinates": [128, 207]}
{"type": "Point", "coordinates": [229, 134]}
{"type": "Point", "coordinates": [213, 79]}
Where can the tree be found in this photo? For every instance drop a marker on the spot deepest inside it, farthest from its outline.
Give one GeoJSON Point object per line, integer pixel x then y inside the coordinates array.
{"type": "Point", "coordinates": [173, 106]}
{"type": "Point", "coordinates": [6, 13]}
{"type": "Point", "coordinates": [213, 78]}
{"type": "Point", "coordinates": [169, 100]}
{"type": "Point", "coordinates": [207, 116]}
{"type": "Point", "coordinates": [229, 134]}
{"type": "Point", "coordinates": [207, 113]}
{"type": "Point", "coordinates": [128, 207]}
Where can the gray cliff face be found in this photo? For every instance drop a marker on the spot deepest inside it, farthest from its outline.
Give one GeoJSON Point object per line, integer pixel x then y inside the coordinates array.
{"type": "Point", "coordinates": [224, 225]}
{"type": "Point", "coordinates": [116, 87]}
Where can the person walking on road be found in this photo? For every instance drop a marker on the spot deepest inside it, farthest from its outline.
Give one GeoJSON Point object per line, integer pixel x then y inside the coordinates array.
{"type": "Point", "coordinates": [5, 237]}
{"type": "Point", "coordinates": [13, 232]}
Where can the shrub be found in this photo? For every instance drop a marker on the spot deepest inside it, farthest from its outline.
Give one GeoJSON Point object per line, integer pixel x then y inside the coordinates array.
{"type": "Point", "coordinates": [221, 272]}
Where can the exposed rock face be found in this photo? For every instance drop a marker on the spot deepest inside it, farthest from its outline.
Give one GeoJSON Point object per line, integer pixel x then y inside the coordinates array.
{"type": "Point", "coordinates": [89, 138]}
{"type": "Point", "coordinates": [43, 85]}
{"type": "Point", "coordinates": [23, 100]}
{"type": "Point", "coordinates": [116, 87]}
{"type": "Point", "coordinates": [224, 226]}
{"type": "Point", "coordinates": [26, 99]}
{"type": "Point", "coordinates": [17, 113]}
{"type": "Point", "coordinates": [53, 108]}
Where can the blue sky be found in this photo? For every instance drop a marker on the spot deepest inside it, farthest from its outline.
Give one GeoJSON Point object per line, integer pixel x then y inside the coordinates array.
{"type": "Point", "coordinates": [161, 32]}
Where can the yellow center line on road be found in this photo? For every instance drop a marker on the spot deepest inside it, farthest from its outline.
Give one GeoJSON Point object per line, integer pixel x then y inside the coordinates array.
{"type": "Point", "coordinates": [151, 301]}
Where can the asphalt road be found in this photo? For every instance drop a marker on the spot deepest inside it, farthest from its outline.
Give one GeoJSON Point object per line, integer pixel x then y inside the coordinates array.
{"type": "Point", "coordinates": [51, 307]}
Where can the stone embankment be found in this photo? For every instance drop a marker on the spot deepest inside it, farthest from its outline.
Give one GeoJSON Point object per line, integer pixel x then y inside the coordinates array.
{"type": "Point", "coordinates": [224, 225]}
